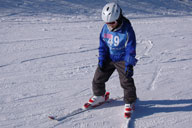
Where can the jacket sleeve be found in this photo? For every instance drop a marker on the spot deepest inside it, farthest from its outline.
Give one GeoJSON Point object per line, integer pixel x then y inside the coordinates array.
{"type": "Point", "coordinates": [130, 48]}
{"type": "Point", "coordinates": [103, 48]}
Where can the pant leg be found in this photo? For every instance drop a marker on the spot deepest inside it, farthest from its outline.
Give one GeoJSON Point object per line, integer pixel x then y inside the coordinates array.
{"type": "Point", "coordinates": [100, 77]}
{"type": "Point", "coordinates": [127, 84]}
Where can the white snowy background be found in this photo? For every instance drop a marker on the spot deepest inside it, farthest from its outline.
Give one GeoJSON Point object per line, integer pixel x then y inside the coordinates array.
{"type": "Point", "coordinates": [48, 56]}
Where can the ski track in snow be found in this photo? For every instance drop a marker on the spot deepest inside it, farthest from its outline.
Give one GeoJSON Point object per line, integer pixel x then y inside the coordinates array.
{"type": "Point", "coordinates": [60, 54]}
{"type": "Point", "coordinates": [148, 45]}
{"type": "Point", "coordinates": [156, 75]}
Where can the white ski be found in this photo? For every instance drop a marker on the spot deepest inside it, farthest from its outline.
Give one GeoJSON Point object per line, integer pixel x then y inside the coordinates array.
{"type": "Point", "coordinates": [127, 123]}
{"type": "Point", "coordinates": [79, 111]}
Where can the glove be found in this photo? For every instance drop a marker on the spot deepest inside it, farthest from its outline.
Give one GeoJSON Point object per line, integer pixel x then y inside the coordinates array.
{"type": "Point", "coordinates": [129, 71]}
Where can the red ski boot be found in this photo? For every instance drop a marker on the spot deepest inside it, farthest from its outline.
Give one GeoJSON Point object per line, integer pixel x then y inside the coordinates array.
{"type": "Point", "coordinates": [129, 108]}
{"type": "Point", "coordinates": [95, 101]}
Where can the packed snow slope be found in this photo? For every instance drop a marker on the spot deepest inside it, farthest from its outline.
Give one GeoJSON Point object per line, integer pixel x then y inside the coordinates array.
{"type": "Point", "coordinates": [92, 8]}
{"type": "Point", "coordinates": [48, 55]}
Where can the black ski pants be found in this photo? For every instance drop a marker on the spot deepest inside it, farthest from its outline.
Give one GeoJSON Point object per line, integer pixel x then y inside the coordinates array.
{"type": "Point", "coordinates": [100, 77]}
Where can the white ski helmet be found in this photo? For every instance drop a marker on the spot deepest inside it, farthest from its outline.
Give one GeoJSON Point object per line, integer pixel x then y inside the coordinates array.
{"type": "Point", "coordinates": [111, 12]}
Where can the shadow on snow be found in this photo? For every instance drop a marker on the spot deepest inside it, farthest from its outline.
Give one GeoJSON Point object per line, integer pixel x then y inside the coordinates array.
{"type": "Point", "coordinates": [150, 107]}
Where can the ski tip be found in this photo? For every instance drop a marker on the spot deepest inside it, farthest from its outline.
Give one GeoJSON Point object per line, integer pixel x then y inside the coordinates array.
{"type": "Point", "coordinates": [107, 93]}
{"type": "Point", "coordinates": [86, 106]}
{"type": "Point", "coordinates": [51, 117]}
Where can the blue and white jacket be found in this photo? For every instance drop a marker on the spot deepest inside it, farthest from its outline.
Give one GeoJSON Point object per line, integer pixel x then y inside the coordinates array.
{"type": "Point", "coordinates": [118, 45]}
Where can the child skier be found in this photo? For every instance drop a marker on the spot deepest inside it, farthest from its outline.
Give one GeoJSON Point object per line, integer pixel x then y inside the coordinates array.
{"type": "Point", "coordinates": [117, 50]}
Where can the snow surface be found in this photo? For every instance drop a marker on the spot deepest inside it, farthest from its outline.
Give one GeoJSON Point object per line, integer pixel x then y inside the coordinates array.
{"type": "Point", "coordinates": [48, 56]}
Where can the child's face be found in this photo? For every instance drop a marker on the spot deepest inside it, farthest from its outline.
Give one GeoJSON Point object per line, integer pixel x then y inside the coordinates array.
{"type": "Point", "coordinates": [112, 24]}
